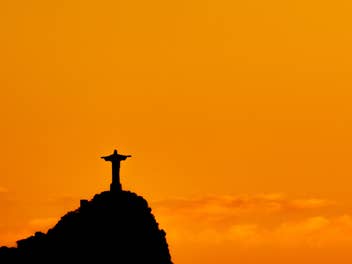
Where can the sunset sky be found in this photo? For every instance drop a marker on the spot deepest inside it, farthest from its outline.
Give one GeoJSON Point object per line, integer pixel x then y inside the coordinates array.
{"type": "Point", "coordinates": [237, 114]}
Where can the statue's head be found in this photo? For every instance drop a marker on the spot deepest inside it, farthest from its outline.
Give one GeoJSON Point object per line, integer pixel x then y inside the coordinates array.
{"type": "Point", "coordinates": [115, 151]}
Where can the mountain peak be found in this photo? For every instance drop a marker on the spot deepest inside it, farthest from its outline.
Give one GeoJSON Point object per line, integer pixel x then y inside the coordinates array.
{"type": "Point", "coordinates": [114, 227]}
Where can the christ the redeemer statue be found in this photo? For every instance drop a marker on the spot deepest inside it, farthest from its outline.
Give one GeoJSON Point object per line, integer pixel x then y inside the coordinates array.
{"type": "Point", "coordinates": [115, 159]}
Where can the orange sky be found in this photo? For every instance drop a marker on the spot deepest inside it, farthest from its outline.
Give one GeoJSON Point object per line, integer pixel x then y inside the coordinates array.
{"type": "Point", "coordinates": [238, 115]}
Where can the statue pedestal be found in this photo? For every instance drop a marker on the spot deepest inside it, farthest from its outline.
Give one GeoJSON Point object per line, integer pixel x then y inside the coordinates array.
{"type": "Point", "coordinates": [115, 187]}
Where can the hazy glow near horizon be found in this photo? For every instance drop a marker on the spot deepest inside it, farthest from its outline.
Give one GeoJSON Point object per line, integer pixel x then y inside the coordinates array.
{"type": "Point", "coordinates": [237, 114]}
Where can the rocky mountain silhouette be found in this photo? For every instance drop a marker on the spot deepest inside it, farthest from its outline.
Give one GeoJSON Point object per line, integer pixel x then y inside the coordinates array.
{"type": "Point", "coordinates": [113, 227]}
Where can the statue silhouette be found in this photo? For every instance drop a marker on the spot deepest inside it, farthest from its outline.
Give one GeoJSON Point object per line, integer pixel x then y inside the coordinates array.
{"type": "Point", "coordinates": [115, 160]}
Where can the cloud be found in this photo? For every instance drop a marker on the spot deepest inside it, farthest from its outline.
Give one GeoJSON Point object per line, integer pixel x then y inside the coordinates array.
{"type": "Point", "coordinates": [22, 218]}
{"type": "Point", "coordinates": [265, 202]}
{"type": "Point", "coordinates": [43, 223]}
{"type": "Point", "coordinates": [3, 190]}
{"type": "Point", "coordinates": [258, 220]}
{"type": "Point", "coordinates": [222, 211]}
{"type": "Point", "coordinates": [309, 203]}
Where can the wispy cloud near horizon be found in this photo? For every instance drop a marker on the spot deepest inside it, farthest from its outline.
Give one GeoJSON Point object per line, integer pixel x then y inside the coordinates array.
{"type": "Point", "coordinates": [3, 189]}
{"type": "Point", "coordinates": [273, 220]}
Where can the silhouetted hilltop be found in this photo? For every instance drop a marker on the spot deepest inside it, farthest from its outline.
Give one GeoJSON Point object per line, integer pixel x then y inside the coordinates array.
{"type": "Point", "coordinates": [114, 227]}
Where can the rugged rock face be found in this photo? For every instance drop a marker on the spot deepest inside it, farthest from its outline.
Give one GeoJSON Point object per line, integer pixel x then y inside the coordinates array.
{"type": "Point", "coordinates": [114, 227]}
